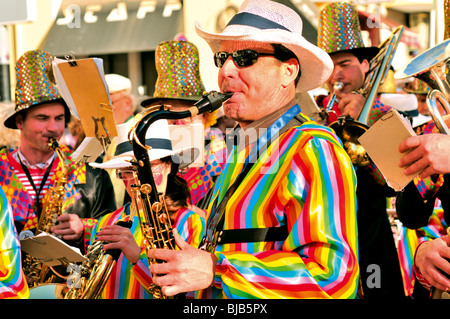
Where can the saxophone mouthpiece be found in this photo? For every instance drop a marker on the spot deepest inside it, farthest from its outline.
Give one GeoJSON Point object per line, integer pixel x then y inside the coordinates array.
{"type": "Point", "coordinates": [211, 101]}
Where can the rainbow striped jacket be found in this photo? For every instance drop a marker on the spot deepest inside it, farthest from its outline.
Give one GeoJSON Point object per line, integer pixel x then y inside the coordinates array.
{"type": "Point", "coordinates": [129, 281]}
{"type": "Point", "coordinates": [305, 181]}
{"type": "Point", "coordinates": [12, 279]}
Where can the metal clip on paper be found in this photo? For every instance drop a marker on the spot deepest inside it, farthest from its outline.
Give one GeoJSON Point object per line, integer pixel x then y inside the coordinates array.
{"type": "Point", "coordinates": [105, 139]}
{"type": "Point", "coordinates": [71, 59]}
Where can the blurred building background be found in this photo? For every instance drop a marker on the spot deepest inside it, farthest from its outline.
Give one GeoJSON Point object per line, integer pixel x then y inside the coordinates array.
{"type": "Point", "coordinates": [125, 33]}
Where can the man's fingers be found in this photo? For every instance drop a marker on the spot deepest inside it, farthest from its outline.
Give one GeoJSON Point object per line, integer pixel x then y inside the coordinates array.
{"type": "Point", "coordinates": [179, 241]}
{"type": "Point", "coordinates": [171, 290]}
{"type": "Point", "coordinates": [161, 254]}
{"type": "Point", "coordinates": [409, 143]}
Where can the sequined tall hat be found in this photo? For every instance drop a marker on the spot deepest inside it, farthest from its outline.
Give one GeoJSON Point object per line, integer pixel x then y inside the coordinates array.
{"type": "Point", "coordinates": [35, 84]}
{"type": "Point", "coordinates": [340, 31]}
{"type": "Point", "coordinates": [177, 64]}
{"type": "Point", "coordinates": [447, 19]}
{"type": "Point", "coordinates": [417, 87]}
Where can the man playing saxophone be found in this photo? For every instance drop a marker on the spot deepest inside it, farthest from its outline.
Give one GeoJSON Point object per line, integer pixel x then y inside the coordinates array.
{"type": "Point", "coordinates": [273, 221]}
{"type": "Point", "coordinates": [28, 171]}
{"type": "Point", "coordinates": [351, 64]}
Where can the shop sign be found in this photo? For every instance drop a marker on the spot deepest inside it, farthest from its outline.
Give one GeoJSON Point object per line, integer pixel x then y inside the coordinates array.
{"type": "Point", "coordinates": [74, 14]}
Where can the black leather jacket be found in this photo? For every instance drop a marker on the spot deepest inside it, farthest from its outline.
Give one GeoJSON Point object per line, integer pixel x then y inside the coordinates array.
{"type": "Point", "coordinates": [414, 211]}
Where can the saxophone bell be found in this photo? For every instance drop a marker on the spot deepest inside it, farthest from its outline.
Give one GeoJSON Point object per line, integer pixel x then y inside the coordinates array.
{"type": "Point", "coordinates": [93, 274]}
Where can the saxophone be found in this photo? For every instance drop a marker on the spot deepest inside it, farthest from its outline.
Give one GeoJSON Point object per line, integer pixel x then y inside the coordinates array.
{"type": "Point", "coordinates": [155, 223]}
{"type": "Point", "coordinates": [90, 278]}
{"type": "Point", "coordinates": [35, 270]}
{"type": "Point", "coordinates": [54, 197]}
{"type": "Point", "coordinates": [154, 218]}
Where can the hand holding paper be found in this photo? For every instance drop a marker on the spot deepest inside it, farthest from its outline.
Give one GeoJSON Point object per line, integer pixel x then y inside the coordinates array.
{"type": "Point", "coordinates": [427, 154]}
{"type": "Point", "coordinates": [382, 140]}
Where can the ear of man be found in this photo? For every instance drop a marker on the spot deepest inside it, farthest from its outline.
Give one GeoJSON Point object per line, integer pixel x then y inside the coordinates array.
{"type": "Point", "coordinates": [290, 70]}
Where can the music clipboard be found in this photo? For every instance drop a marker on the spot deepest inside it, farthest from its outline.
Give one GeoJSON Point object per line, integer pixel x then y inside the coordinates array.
{"type": "Point", "coordinates": [391, 129]}
{"type": "Point", "coordinates": [83, 87]}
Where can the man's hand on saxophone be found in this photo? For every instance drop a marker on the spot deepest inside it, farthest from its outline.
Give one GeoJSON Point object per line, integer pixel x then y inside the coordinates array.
{"type": "Point", "coordinates": [69, 226]}
{"type": "Point", "coordinates": [187, 269]}
{"type": "Point", "coordinates": [119, 237]}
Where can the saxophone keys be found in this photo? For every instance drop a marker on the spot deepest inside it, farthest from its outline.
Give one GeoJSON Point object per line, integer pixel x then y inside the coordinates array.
{"type": "Point", "coordinates": [146, 189]}
{"type": "Point", "coordinates": [156, 207]}
{"type": "Point", "coordinates": [162, 218]}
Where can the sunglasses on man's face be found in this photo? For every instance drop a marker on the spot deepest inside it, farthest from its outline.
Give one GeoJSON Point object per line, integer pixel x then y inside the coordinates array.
{"type": "Point", "coordinates": [242, 58]}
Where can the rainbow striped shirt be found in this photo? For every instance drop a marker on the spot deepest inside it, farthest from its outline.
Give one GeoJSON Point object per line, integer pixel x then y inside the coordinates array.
{"type": "Point", "coordinates": [305, 181]}
{"type": "Point", "coordinates": [12, 280]}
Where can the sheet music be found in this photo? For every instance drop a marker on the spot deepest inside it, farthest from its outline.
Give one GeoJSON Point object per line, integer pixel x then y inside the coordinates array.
{"type": "Point", "coordinates": [51, 250]}
{"type": "Point", "coordinates": [88, 151]}
{"type": "Point", "coordinates": [62, 86]}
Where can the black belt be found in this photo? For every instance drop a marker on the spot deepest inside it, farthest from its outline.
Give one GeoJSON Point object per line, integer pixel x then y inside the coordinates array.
{"type": "Point", "coordinates": [252, 235]}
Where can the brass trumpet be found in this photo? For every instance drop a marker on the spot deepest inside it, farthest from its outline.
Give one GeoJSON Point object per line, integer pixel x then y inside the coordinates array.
{"type": "Point", "coordinates": [348, 129]}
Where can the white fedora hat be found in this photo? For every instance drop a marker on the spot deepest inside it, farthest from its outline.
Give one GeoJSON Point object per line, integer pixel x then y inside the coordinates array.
{"type": "Point", "coordinates": [271, 22]}
{"type": "Point", "coordinates": [157, 137]}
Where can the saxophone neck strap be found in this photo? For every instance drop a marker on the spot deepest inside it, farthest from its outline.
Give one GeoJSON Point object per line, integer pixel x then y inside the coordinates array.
{"type": "Point", "coordinates": [30, 179]}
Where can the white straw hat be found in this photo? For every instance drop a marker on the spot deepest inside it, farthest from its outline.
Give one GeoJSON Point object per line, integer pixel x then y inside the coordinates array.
{"type": "Point", "coordinates": [158, 137]}
{"type": "Point", "coordinates": [271, 22]}
{"type": "Point", "coordinates": [117, 83]}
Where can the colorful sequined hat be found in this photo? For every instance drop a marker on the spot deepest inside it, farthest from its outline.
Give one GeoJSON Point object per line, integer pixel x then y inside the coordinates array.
{"type": "Point", "coordinates": [266, 21]}
{"type": "Point", "coordinates": [177, 64]}
{"type": "Point", "coordinates": [447, 19]}
{"type": "Point", "coordinates": [35, 84]}
{"type": "Point", "coordinates": [340, 31]}
{"type": "Point", "coordinates": [417, 87]}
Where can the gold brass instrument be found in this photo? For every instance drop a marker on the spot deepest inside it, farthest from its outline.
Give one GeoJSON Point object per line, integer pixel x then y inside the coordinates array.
{"type": "Point", "coordinates": [348, 129]}
{"type": "Point", "coordinates": [36, 272]}
{"type": "Point", "coordinates": [90, 278]}
{"type": "Point", "coordinates": [86, 281]}
{"type": "Point", "coordinates": [54, 197]}
{"type": "Point", "coordinates": [156, 225]}
{"type": "Point", "coordinates": [432, 66]}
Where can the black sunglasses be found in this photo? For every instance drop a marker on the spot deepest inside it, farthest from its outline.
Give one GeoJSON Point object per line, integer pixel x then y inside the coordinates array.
{"type": "Point", "coordinates": [243, 58]}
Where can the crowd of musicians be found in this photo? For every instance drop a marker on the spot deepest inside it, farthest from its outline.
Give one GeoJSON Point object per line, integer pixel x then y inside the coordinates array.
{"type": "Point", "coordinates": [277, 208]}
